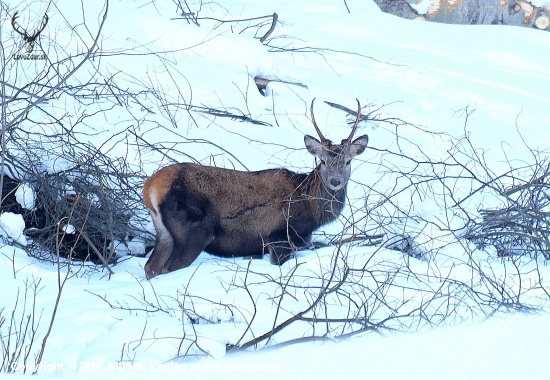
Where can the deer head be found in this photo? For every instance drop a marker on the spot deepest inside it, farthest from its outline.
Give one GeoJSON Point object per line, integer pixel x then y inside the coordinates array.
{"type": "Point", "coordinates": [29, 40]}
{"type": "Point", "coordinates": [335, 168]}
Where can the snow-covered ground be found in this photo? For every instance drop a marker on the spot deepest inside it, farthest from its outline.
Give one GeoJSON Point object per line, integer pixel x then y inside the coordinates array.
{"type": "Point", "coordinates": [428, 75]}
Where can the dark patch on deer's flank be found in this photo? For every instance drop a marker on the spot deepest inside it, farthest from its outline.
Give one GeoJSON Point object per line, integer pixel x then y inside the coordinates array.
{"type": "Point", "coordinates": [245, 210]}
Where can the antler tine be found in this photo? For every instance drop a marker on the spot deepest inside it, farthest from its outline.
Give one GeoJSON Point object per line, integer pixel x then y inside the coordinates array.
{"type": "Point", "coordinates": [15, 26]}
{"type": "Point", "coordinates": [42, 27]}
{"type": "Point", "coordinates": [356, 121]}
{"type": "Point", "coordinates": [323, 139]}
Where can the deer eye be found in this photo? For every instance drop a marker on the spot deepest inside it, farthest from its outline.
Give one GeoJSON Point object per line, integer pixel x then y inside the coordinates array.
{"type": "Point", "coordinates": [348, 162]}
{"type": "Point", "coordinates": [323, 162]}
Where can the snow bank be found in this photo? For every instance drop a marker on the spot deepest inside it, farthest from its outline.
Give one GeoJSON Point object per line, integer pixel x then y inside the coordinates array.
{"type": "Point", "coordinates": [12, 226]}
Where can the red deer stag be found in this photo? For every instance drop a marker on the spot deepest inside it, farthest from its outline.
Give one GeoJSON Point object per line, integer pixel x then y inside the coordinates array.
{"type": "Point", "coordinates": [231, 213]}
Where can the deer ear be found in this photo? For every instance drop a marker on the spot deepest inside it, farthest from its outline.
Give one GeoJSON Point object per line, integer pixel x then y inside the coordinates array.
{"type": "Point", "coordinates": [358, 145]}
{"type": "Point", "coordinates": [313, 145]}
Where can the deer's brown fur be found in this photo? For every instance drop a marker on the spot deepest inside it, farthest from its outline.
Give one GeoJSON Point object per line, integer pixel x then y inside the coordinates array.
{"type": "Point", "coordinates": [233, 213]}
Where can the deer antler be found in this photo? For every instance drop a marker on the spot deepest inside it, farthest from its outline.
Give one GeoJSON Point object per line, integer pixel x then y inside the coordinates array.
{"type": "Point", "coordinates": [41, 28]}
{"type": "Point", "coordinates": [13, 24]}
{"type": "Point", "coordinates": [356, 122]}
{"type": "Point", "coordinates": [323, 139]}
{"type": "Point", "coordinates": [26, 37]}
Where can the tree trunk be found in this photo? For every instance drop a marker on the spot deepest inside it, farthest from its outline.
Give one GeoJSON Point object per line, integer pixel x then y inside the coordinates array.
{"type": "Point", "coordinates": [486, 12]}
{"type": "Point", "coordinates": [399, 8]}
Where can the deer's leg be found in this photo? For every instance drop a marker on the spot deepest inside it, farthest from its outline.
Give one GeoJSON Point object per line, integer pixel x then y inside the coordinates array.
{"type": "Point", "coordinates": [164, 245]}
{"type": "Point", "coordinates": [280, 248]}
{"type": "Point", "coordinates": [186, 230]}
{"type": "Point", "coordinates": [282, 245]}
{"type": "Point", "coordinates": [279, 254]}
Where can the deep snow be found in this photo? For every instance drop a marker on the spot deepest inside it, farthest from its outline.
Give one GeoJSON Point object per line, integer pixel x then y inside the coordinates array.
{"type": "Point", "coordinates": [424, 73]}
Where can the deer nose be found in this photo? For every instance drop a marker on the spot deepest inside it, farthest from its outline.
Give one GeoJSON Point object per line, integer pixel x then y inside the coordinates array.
{"type": "Point", "coordinates": [335, 183]}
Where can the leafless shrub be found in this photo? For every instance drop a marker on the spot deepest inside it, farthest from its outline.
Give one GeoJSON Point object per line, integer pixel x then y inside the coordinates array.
{"type": "Point", "coordinates": [19, 329]}
{"type": "Point", "coordinates": [262, 26]}
{"type": "Point", "coordinates": [109, 199]}
{"type": "Point", "coordinates": [522, 225]}
{"type": "Point", "coordinates": [61, 277]}
{"type": "Point", "coordinates": [56, 158]}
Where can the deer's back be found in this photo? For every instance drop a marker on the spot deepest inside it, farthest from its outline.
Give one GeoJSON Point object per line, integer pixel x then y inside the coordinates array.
{"type": "Point", "coordinates": [246, 206]}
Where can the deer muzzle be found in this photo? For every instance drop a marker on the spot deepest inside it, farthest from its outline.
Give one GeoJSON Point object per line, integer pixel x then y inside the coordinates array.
{"type": "Point", "coordinates": [335, 183]}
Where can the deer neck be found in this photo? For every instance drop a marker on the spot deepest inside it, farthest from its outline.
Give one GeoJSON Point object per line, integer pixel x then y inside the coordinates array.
{"type": "Point", "coordinates": [326, 204]}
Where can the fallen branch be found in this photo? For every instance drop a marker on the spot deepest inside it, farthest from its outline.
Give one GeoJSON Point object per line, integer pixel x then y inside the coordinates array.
{"type": "Point", "coordinates": [262, 83]}
{"type": "Point", "coordinates": [271, 29]}
{"type": "Point", "coordinates": [373, 239]}
{"type": "Point", "coordinates": [222, 113]}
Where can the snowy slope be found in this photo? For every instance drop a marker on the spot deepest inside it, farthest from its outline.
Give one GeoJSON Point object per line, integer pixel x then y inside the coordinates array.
{"type": "Point", "coordinates": [424, 74]}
